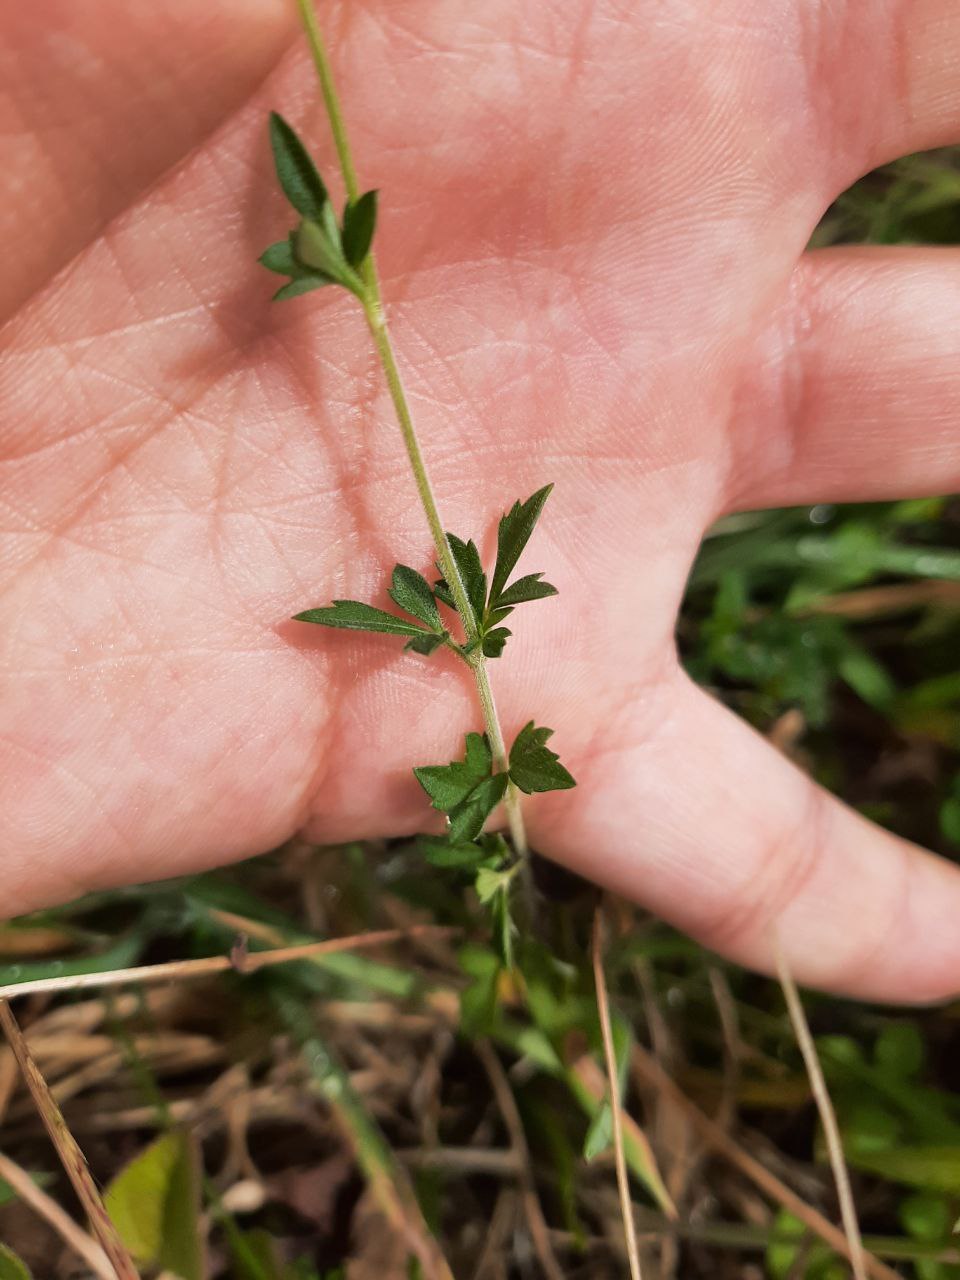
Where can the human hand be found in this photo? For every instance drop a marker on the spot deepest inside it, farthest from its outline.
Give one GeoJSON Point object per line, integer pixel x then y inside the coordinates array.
{"type": "Point", "coordinates": [592, 235]}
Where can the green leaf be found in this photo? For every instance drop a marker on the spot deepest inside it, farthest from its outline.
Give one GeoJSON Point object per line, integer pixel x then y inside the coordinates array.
{"type": "Point", "coordinates": [411, 591]}
{"type": "Point", "coordinates": [354, 615]}
{"type": "Point", "coordinates": [931, 1168]}
{"type": "Point", "coordinates": [12, 1267]}
{"type": "Point", "coordinates": [317, 249]}
{"type": "Point", "coordinates": [533, 766]}
{"type": "Point", "coordinates": [467, 819]}
{"type": "Point", "coordinates": [494, 641]}
{"type": "Point", "coordinates": [443, 852]}
{"type": "Point", "coordinates": [513, 534]}
{"type": "Point", "coordinates": [491, 881]}
{"type": "Point", "coordinates": [471, 571]}
{"type": "Point", "coordinates": [426, 643]}
{"type": "Point", "coordinates": [297, 174]}
{"type": "Point", "coordinates": [599, 1133]}
{"type": "Point", "coordinates": [154, 1202]}
{"type": "Point", "coordinates": [304, 283]}
{"type": "Point", "coordinates": [465, 790]}
{"type": "Point", "coordinates": [280, 258]}
{"type": "Point", "coordinates": [448, 785]}
{"type": "Point", "coordinates": [528, 588]}
{"type": "Point", "coordinates": [359, 223]}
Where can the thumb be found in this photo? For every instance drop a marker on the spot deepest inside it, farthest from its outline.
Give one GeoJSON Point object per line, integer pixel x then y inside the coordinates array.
{"type": "Point", "coordinates": [701, 820]}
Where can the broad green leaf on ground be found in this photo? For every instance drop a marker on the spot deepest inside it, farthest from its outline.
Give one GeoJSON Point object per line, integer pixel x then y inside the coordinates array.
{"type": "Point", "coordinates": [354, 615]}
{"type": "Point", "coordinates": [154, 1202]}
{"type": "Point", "coordinates": [513, 534]}
{"type": "Point", "coordinates": [12, 1267]}
{"type": "Point", "coordinates": [533, 766]}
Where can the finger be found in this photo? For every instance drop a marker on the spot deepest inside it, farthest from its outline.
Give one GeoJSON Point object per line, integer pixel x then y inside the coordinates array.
{"type": "Point", "coordinates": [887, 76]}
{"type": "Point", "coordinates": [706, 824]}
{"type": "Point", "coordinates": [853, 392]}
{"type": "Point", "coordinates": [97, 99]}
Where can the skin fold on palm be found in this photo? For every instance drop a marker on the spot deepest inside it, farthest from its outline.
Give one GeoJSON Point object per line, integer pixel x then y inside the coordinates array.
{"type": "Point", "coordinates": [592, 239]}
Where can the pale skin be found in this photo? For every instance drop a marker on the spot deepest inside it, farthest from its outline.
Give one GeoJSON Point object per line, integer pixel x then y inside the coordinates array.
{"type": "Point", "coordinates": [592, 245]}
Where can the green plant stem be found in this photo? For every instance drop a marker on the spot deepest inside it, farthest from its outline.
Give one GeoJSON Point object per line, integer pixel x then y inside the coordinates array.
{"type": "Point", "coordinates": [373, 310]}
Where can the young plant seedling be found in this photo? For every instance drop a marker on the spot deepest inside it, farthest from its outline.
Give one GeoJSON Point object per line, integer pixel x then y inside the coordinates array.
{"type": "Point", "coordinates": [322, 250]}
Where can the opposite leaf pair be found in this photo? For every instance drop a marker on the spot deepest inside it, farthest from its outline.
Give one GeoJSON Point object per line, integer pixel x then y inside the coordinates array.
{"type": "Point", "coordinates": [468, 790]}
{"type": "Point", "coordinates": [488, 608]}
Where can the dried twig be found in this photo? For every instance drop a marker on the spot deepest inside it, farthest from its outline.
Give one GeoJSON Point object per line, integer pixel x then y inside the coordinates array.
{"type": "Point", "coordinates": [181, 970]}
{"type": "Point", "coordinates": [45, 1207]}
{"type": "Point", "coordinates": [828, 1117]}
{"type": "Point", "coordinates": [623, 1182]}
{"type": "Point", "coordinates": [518, 1141]}
{"type": "Point", "coordinates": [71, 1156]}
{"type": "Point", "coordinates": [717, 1138]}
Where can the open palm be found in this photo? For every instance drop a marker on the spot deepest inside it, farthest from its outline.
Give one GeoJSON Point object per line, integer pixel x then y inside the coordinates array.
{"type": "Point", "coordinates": [592, 233]}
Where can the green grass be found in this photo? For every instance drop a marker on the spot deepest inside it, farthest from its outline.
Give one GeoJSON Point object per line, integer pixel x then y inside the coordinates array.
{"type": "Point", "coordinates": [340, 1107]}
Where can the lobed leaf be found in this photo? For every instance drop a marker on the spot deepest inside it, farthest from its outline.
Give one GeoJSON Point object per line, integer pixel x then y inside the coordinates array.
{"type": "Point", "coordinates": [426, 643]}
{"type": "Point", "coordinates": [296, 172]}
{"type": "Point", "coordinates": [359, 224]}
{"type": "Point", "coordinates": [471, 571]}
{"type": "Point", "coordinates": [533, 766]}
{"type": "Point", "coordinates": [466, 790]}
{"type": "Point", "coordinates": [494, 641]}
{"type": "Point", "coordinates": [411, 591]}
{"type": "Point", "coordinates": [354, 615]}
{"type": "Point", "coordinates": [528, 588]}
{"type": "Point", "coordinates": [468, 817]}
{"type": "Point", "coordinates": [513, 534]}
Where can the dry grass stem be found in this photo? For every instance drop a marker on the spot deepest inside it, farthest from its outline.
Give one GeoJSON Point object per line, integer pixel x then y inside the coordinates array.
{"type": "Point", "coordinates": [828, 1117]}
{"type": "Point", "coordinates": [518, 1141]}
{"type": "Point", "coordinates": [606, 1029]}
{"type": "Point", "coordinates": [242, 962]}
{"type": "Point", "coordinates": [70, 1233]}
{"type": "Point", "coordinates": [71, 1156]}
{"type": "Point", "coordinates": [716, 1137]}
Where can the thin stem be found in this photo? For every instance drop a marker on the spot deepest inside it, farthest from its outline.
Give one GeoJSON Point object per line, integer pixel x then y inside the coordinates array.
{"type": "Point", "coordinates": [71, 1157]}
{"type": "Point", "coordinates": [828, 1117]}
{"type": "Point", "coordinates": [613, 1075]}
{"type": "Point", "coordinates": [376, 319]}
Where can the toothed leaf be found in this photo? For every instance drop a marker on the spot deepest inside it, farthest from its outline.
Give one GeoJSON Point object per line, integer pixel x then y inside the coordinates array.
{"type": "Point", "coordinates": [494, 641]}
{"type": "Point", "coordinates": [533, 766]}
{"type": "Point", "coordinates": [426, 642]}
{"type": "Point", "coordinates": [448, 785]}
{"type": "Point", "coordinates": [353, 615]}
{"type": "Point", "coordinates": [467, 819]}
{"type": "Point", "coordinates": [471, 571]}
{"type": "Point", "coordinates": [411, 591]}
{"type": "Point", "coordinates": [297, 174]}
{"type": "Point", "coordinates": [528, 588]}
{"type": "Point", "coordinates": [513, 534]}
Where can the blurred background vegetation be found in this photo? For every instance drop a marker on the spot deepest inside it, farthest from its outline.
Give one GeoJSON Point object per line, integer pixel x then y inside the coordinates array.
{"type": "Point", "coordinates": [372, 1114]}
